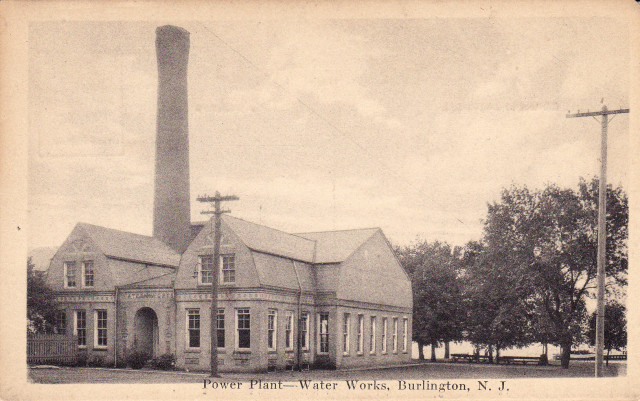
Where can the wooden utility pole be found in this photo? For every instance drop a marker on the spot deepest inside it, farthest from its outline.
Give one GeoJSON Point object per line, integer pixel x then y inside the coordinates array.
{"type": "Point", "coordinates": [217, 211]}
{"type": "Point", "coordinates": [602, 228]}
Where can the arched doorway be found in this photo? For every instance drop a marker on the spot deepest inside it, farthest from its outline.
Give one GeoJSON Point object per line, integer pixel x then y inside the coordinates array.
{"type": "Point", "coordinates": [146, 331]}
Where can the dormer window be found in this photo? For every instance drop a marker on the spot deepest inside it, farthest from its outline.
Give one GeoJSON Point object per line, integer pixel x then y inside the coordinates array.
{"type": "Point", "coordinates": [69, 274]}
{"type": "Point", "coordinates": [87, 273]}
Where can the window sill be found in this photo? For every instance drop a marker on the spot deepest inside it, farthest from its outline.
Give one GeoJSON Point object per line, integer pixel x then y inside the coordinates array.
{"type": "Point", "coordinates": [360, 353]}
{"type": "Point", "coordinates": [82, 346]}
{"type": "Point", "coordinates": [192, 350]}
{"type": "Point", "coordinates": [272, 351]}
{"type": "Point", "coordinates": [100, 348]}
{"type": "Point", "coordinates": [288, 350]}
{"type": "Point", "coordinates": [242, 351]}
{"type": "Point", "coordinates": [345, 354]}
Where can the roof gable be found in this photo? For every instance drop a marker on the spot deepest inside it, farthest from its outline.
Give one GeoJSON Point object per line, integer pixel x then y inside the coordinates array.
{"type": "Point", "coordinates": [129, 246]}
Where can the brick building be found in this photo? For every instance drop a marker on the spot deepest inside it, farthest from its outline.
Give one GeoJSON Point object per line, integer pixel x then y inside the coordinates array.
{"type": "Point", "coordinates": [332, 299]}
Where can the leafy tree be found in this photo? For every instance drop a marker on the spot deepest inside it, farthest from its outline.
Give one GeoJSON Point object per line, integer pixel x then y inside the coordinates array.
{"type": "Point", "coordinates": [542, 248]}
{"type": "Point", "coordinates": [437, 311]}
{"type": "Point", "coordinates": [615, 327]}
{"type": "Point", "coordinates": [41, 307]}
{"type": "Point", "coordinates": [497, 299]}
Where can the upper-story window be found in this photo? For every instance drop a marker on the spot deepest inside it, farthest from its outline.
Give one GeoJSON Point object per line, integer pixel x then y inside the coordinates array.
{"type": "Point", "coordinates": [69, 274]}
{"type": "Point", "coordinates": [227, 267]}
{"type": "Point", "coordinates": [87, 273]}
{"type": "Point", "coordinates": [206, 269]}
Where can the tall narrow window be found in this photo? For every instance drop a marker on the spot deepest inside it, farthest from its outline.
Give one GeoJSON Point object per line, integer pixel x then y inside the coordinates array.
{"type": "Point", "coordinates": [384, 335]}
{"type": "Point", "coordinates": [243, 325]}
{"type": "Point", "coordinates": [395, 335]}
{"type": "Point", "coordinates": [220, 327]}
{"type": "Point", "coordinates": [323, 333]}
{"type": "Point", "coordinates": [372, 336]}
{"type": "Point", "coordinates": [228, 269]}
{"type": "Point", "coordinates": [304, 331]}
{"type": "Point", "coordinates": [360, 334]}
{"type": "Point", "coordinates": [405, 328]}
{"type": "Point", "coordinates": [206, 269]}
{"type": "Point", "coordinates": [272, 324]}
{"type": "Point", "coordinates": [87, 273]}
{"type": "Point", "coordinates": [288, 331]}
{"type": "Point", "coordinates": [346, 324]}
{"type": "Point", "coordinates": [81, 327]}
{"type": "Point", "coordinates": [100, 333]}
{"type": "Point", "coordinates": [61, 322]}
{"type": "Point", "coordinates": [69, 274]}
{"type": "Point", "coordinates": [193, 328]}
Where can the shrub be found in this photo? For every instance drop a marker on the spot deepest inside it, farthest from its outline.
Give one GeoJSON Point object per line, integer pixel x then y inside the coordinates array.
{"type": "Point", "coordinates": [164, 362]}
{"type": "Point", "coordinates": [81, 360]}
{"type": "Point", "coordinates": [96, 361]}
{"type": "Point", "coordinates": [137, 360]}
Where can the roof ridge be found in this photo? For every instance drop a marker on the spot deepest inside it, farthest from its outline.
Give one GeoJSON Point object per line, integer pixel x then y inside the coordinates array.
{"type": "Point", "coordinates": [270, 228]}
{"type": "Point", "coordinates": [118, 230]}
{"type": "Point", "coordinates": [336, 231]}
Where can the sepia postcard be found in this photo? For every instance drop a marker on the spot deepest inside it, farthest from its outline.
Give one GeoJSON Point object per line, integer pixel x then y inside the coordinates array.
{"type": "Point", "coordinates": [360, 200]}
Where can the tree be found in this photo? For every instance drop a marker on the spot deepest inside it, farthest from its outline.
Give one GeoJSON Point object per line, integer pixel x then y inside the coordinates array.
{"type": "Point", "coordinates": [615, 327]}
{"type": "Point", "coordinates": [41, 308]}
{"type": "Point", "coordinates": [545, 243]}
{"type": "Point", "coordinates": [437, 311]}
{"type": "Point", "coordinates": [497, 299]}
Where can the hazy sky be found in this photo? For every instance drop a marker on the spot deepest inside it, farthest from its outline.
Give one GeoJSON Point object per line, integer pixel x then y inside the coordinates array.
{"type": "Point", "coordinates": [408, 125]}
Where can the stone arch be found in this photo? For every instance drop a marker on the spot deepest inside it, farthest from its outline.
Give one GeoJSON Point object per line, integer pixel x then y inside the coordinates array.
{"type": "Point", "coordinates": [146, 332]}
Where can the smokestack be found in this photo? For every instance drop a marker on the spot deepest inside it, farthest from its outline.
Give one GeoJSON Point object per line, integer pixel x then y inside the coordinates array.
{"type": "Point", "coordinates": [171, 205]}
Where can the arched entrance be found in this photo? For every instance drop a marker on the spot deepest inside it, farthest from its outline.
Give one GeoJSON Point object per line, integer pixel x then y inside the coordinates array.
{"type": "Point", "coordinates": [146, 331]}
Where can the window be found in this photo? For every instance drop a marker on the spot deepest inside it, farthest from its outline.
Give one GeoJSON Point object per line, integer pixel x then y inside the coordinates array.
{"type": "Point", "coordinates": [272, 323]}
{"type": "Point", "coordinates": [69, 274]}
{"type": "Point", "coordinates": [346, 323]}
{"type": "Point", "coordinates": [323, 333]}
{"type": "Point", "coordinates": [243, 324]}
{"type": "Point", "coordinates": [87, 273]}
{"type": "Point", "coordinates": [205, 272]}
{"type": "Point", "coordinates": [206, 269]}
{"type": "Point", "coordinates": [228, 269]}
{"type": "Point", "coordinates": [395, 335]}
{"type": "Point", "coordinates": [193, 328]}
{"type": "Point", "coordinates": [384, 335]}
{"type": "Point", "coordinates": [405, 326]}
{"type": "Point", "coordinates": [81, 328]}
{"type": "Point", "coordinates": [372, 336]}
{"type": "Point", "coordinates": [360, 334]}
{"type": "Point", "coordinates": [61, 322]}
{"type": "Point", "coordinates": [100, 333]}
{"type": "Point", "coordinates": [288, 331]}
{"type": "Point", "coordinates": [304, 331]}
{"type": "Point", "coordinates": [220, 327]}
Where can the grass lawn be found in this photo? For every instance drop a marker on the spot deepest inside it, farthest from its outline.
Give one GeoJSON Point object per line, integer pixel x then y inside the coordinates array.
{"type": "Point", "coordinates": [427, 370]}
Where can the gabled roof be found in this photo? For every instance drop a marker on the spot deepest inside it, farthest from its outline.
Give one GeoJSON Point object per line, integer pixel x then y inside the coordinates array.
{"type": "Point", "coordinates": [268, 240]}
{"type": "Point", "coordinates": [129, 246]}
{"type": "Point", "coordinates": [337, 246]}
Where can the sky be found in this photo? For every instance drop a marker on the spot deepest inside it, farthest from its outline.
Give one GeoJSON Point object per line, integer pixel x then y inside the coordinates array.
{"type": "Point", "coordinates": [410, 125]}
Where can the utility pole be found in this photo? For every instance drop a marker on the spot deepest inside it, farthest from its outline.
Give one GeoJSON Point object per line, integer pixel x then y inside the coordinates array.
{"type": "Point", "coordinates": [217, 211]}
{"type": "Point", "coordinates": [602, 227]}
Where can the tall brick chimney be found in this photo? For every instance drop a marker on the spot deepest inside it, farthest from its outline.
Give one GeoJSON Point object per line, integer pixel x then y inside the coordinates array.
{"type": "Point", "coordinates": [171, 204]}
